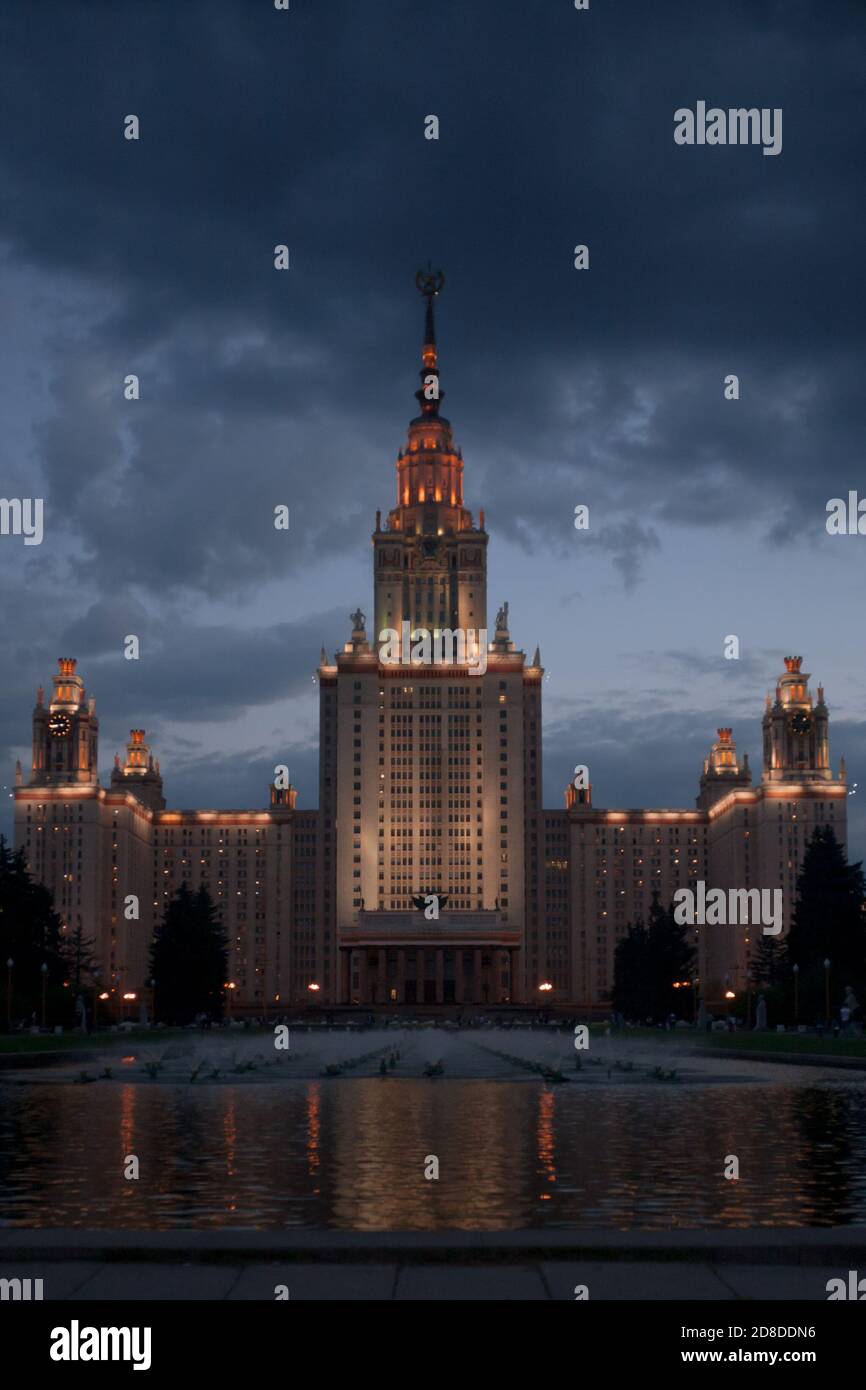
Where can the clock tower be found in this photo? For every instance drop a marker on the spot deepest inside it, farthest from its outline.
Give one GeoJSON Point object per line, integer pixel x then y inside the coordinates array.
{"type": "Point", "coordinates": [65, 735]}
{"type": "Point", "coordinates": [430, 559]}
{"type": "Point", "coordinates": [796, 733]}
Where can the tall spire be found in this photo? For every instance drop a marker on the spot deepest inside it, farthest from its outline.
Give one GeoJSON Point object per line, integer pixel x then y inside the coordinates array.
{"type": "Point", "coordinates": [429, 534]}
{"type": "Point", "coordinates": [430, 284]}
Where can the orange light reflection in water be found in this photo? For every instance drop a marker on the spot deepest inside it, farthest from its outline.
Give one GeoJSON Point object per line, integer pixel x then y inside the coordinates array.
{"type": "Point", "coordinates": [545, 1140]}
{"type": "Point", "coordinates": [314, 1130]}
{"type": "Point", "coordinates": [126, 1128]}
{"type": "Point", "coordinates": [230, 1134]}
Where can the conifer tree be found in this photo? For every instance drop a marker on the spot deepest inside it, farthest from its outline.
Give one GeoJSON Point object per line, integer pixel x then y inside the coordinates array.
{"type": "Point", "coordinates": [828, 923]}
{"type": "Point", "coordinates": [632, 996]}
{"type": "Point", "coordinates": [31, 935]}
{"type": "Point", "coordinates": [768, 963]}
{"type": "Point", "coordinates": [188, 959]}
{"type": "Point", "coordinates": [670, 958]}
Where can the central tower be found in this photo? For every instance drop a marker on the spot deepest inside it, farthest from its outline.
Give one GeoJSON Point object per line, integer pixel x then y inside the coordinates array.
{"type": "Point", "coordinates": [430, 561]}
{"type": "Point", "coordinates": [430, 772]}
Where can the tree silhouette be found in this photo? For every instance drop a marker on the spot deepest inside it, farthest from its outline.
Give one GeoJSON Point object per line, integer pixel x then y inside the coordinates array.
{"type": "Point", "coordinates": [188, 959]}
{"type": "Point", "coordinates": [80, 961]}
{"type": "Point", "coordinates": [768, 963]}
{"type": "Point", "coordinates": [670, 958]}
{"type": "Point", "coordinates": [632, 994]}
{"type": "Point", "coordinates": [31, 935]}
{"type": "Point", "coordinates": [828, 923]}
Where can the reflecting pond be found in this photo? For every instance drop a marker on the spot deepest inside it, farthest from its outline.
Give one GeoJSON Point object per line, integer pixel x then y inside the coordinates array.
{"type": "Point", "coordinates": [349, 1151]}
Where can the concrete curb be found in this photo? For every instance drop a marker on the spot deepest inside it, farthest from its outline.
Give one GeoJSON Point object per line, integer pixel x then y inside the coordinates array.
{"type": "Point", "coordinates": [791, 1246]}
{"type": "Point", "coordinates": [796, 1059]}
{"type": "Point", "coordinates": [17, 1061]}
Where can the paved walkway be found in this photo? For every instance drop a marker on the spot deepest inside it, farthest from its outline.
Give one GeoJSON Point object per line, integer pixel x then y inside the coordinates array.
{"type": "Point", "coordinates": [788, 1265]}
{"type": "Point", "coordinates": [637, 1280]}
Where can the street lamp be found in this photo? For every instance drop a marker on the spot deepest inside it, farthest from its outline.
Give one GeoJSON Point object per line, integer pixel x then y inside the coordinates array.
{"type": "Point", "coordinates": [9, 964]}
{"type": "Point", "coordinates": [827, 991]}
{"type": "Point", "coordinates": [796, 995]}
{"type": "Point", "coordinates": [545, 988]}
{"type": "Point", "coordinates": [44, 969]}
{"type": "Point", "coordinates": [230, 986]}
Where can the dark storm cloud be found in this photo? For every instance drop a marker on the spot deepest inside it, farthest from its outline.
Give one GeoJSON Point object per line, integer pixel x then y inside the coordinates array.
{"type": "Point", "coordinates": [238, 781]}
{"type": "Point", "coordinates": [750, 671]}
{"type": "Point", "coordinates": [196, 672]}
{"type": "Point", "coordinates": [258, 388]}
{"type": "Point", "coordinates": [641, 757]}
{"type": "Point", "coordinates": [605, 739]}
{"type": "Point", "coordinates": [174, 496]}
{"type": "Point", "coordinates": [259, 127]}
{"type": "Point", "coordinates": [187, 673]}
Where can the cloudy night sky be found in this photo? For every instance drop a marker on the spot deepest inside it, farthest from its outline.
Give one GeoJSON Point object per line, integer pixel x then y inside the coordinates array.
{"type": "Point", "coordinates": [602, 387]}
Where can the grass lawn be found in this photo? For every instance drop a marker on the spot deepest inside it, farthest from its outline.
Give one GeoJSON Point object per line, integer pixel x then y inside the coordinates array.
{"type": "Point", "coordinates": [789, 1042]}
{"type": "Point", "coordinates": [65, 1042]}
{"type": "Point", "coordinates": [748, 1041]}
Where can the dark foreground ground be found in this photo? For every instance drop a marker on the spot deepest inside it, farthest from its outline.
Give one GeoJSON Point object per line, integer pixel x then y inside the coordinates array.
{"type": "Point", "coordinates": [449, 1265]}
{"type": "Point", "coordinates": [751, 1255]}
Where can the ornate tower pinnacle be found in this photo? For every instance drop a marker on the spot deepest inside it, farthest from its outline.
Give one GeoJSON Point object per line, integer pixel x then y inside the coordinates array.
{"type": "Point", "coordinates": [139, 774]}
{"type": "Point", "coordinates": [796, 730]}
{"type": "Point", "coordinates": [430, 561]}
{"type": "Point", "coordinates": [722, 770]}
{"type": "Point", "coordinates": [65, 733]}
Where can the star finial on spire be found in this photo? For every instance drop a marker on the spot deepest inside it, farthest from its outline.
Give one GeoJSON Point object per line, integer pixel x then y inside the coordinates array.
{"type": "Point", "coordinates": [430, 284]}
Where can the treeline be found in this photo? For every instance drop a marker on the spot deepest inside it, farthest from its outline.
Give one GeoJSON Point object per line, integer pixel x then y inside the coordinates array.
{"type": "Point", "coordinates": [821, 961]}
{"type": "Point", "coordinates": [50, 969]}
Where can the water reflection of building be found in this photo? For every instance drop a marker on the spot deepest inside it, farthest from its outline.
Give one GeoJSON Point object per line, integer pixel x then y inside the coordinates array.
{"type": "Point", "coordinates": [430, 786]}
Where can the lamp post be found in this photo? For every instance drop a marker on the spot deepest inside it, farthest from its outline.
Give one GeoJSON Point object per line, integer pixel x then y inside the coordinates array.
{"type": "Point", "coordinates": [9, 964]}
{"type": "Point", "coordinates": [546, 988]}
{"type": "Point", "coordinates": [695, 983]}
{"type": "Point", "coordinates": [730, 994]}
{"type": "Point", "coordinates": [748, 998]}
{"type": "Point", "coordinates": [684, 984]}
{"type": "Point", "coordinates": [796, 995]}
{"type": "Point", "coordinates": [44, 969]}
{"type": "Point", "coordinates": [827, 991]}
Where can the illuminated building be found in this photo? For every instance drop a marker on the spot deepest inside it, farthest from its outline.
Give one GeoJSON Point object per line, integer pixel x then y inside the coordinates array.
{"type": "Point", "coordinates": [430, 874]}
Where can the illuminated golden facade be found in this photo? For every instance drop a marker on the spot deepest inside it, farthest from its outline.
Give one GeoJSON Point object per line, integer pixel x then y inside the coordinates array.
{"type": "Point", "coordinates": [430, 874]}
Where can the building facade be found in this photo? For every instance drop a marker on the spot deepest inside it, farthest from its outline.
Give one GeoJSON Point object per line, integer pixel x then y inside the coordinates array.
{"type": "Point", "coordinates": [430, 874]}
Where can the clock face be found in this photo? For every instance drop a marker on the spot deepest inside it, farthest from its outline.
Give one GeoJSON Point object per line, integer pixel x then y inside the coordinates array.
{"type": "Point", "coordinates": [800, 722]}
{"type": "Point", "coordinates": [59, 725]}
